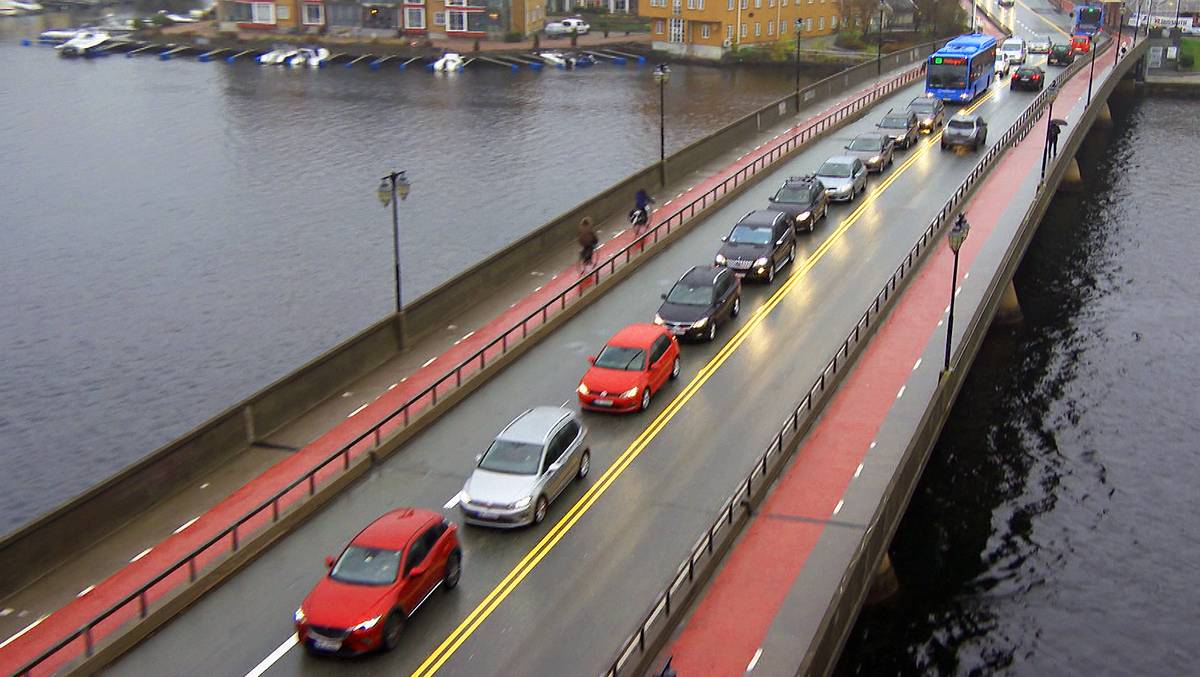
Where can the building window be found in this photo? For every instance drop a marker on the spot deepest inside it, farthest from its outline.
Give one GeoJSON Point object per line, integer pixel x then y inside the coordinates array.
{"type": "Point", "coordinates": [658, 26]}
{"type": "Point", "coordinates": [700, 5]}
{"type": "Point", "coordinates": [757, 4]}
{"type": "Point", "coordinates": [821, 23]}
{"type": "Point", "coordinates": [314, 15]}
{"type": "Point", "coordinates": [745, 4]}
{"type": "Point", "coordinates": [691, 4]}
{"type": "Point", "coordinates": [731, 5]}
{"type": "Point", "coordinates": [414, 17]}
{"type": "Point", "coordinates": [833, 22]}
{"type": "Point", "coordinates": [757, 29]}
{"type": "Point", "coordinates": [704, 31]}
{"type": "Point", "coordinates": [457, 21]}
{"type": "Point", "coordinates": [743, 30]}
{"type": "Point", "coordinates": [439, 18]}
{"type": "Point", "coordinates": [770, 3]}
{"type": "Point", "coordinates": [283, 12]}
{"type": "Point", "coordinates": [263, 13]}
{"type": "Point", "coordinates": [770, 28]}
{"type": "Point", "coordinates": [729, 31]}
{"type": "Point", "coordinates": [243, 12]}
{"type": "Point", "coordinates": [808, 24]}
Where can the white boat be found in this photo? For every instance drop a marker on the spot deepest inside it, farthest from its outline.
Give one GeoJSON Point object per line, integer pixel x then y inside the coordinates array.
{"type": "Point", "coordinates": [59, 35]}
{"type": "Point", "coordinates": [180, 19]}
{"type": "Point", "coordinates": [553, 58]}
{"type": "Point", "coordinates": [278, 56]}
{"type": "Point", "coordinates": [312, 57]}
{"type": "Point", "coordinates": [450, 62]}
{"type": "Point", "coordinates": [84, 43]}
{"type": "Point", "coordinates": [18, 6]}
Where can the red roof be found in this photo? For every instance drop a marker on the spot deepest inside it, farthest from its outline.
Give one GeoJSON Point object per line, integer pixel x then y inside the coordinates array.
{"type": "Point", "coordinates": [637, 336]}
{"type": "Point", "coordinates": [395, 529]}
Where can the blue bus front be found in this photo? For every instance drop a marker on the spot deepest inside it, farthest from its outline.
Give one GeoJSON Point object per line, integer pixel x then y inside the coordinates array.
{"type": "Point", "coordinates": [1088, 19]}
{"type": "Point", "coordinates": [962, 69]}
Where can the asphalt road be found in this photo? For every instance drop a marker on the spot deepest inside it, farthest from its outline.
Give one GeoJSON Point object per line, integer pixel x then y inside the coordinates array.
{"type": "Point", "coordinates": [665, 473]}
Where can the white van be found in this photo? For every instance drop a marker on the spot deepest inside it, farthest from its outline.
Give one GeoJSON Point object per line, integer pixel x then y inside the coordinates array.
{"type": "Point", "coordinates": [1014, 49]}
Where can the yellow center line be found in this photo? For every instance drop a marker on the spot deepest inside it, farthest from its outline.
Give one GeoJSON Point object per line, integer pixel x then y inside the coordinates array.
{"type": "Point", "coordinates": [1044, 19]}
{"type": "Point", "coordinates": [543, 547]}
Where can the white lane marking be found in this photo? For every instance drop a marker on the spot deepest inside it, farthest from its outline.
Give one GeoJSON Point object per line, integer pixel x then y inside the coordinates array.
{"type": "Point", "coordinates": [186, 524]}
{"type": "Point", "coordinates": [754, 661]}
{"type": "Point", "coordinates": [946, 310]}
{"type": "Point", "coordinates": [27, 629]}
{"type": "Point", "coordinates": [451, 327]}
{"type": "Point", "coordinates": [393, 386]}
{"type": "Point", "coordinates": [85, 591]}
{"type": "Point", "coordinates": [6, 611]}
{"type": "Point", "coordinates": [204, 486]}
{"type": "Point", "coordinates": [941, 322]}
{"type": "Point", "coordinates": [965, 276]}
{"type": "Point", "coordinates": [536, 273]}
{"type": "Point", "coordinates": [566, 402]}
{"type": "Point", "coordinates": [357, 410]}
{"type": "Point", "coordinates": [873, 444]}
{"type": "Point", "coordinates": [539, 286]}
{"type": "Point", "coordinates": [453, 501]}
{"type": "Point", "coordinates": [901, 393]}
{"type": "Point", "coordinates": [956, 291]}
{"type": "Point", "coordinates": [429, 361]}
{"type": "Point", "coordinates": [140, 555]}
{"type": "Point", "coordinates": [838, 508]}
{"type": "Point", "coordinates": [917, 365]}
{"type": "Point", "coordinates": [347, 394]}
{"type": "Point", "coordinates": [858, 471]}
{"type": "Point", "coordinates": [467, 336]}
{"type": "Point", "coordinates": [513, 305]}
{"type": "Point", "coordinates": [556, 277]}
{"type": "Point", "coordinates": [275, 655]}
{"type": "Point", "coordinates": [679, 196]}
{"type": "Point", "coordinates": [404, 379]}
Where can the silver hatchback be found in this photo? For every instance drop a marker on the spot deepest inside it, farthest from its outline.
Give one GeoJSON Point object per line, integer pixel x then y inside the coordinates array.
{"type": "Point", "coordinates": [526, 467]}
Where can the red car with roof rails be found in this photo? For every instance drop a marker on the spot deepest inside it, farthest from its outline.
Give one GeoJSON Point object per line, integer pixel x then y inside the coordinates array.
{"type": "Point", "coordinates": [635, 364]}
{"type": "Point", "coordinates": [378, 582]}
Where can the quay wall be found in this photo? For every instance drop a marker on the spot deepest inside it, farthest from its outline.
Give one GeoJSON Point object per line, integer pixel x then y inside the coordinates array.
{"type": "Point", "coordinates": [118, 500]}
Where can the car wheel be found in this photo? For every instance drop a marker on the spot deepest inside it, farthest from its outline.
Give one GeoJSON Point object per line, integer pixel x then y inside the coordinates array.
{"type": "Point", "coordinates": [393, 630]}
{"type": "Point", "coordinates": [539, 510]}
{"type": "Point", "coordinates": [585, 463]}
{"type": "Point", "coordinates": [712, 336]}
{"type": "Point", "coordinates": [770, 272]}
{"type": "Point", "coordinates": [737, 307]}
{"type": "Point", "coordinates": [792, 254]}
{"type": "Point", "coordinates": [943, 145]}
{"type": "Point", "coordinates": [646, 398]}
{"type": "Point", "coordinates": [712, 333]}
{"type": "Point", "coordinates": [453, 570]}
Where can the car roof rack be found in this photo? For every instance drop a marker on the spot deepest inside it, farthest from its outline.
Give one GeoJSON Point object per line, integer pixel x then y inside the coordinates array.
{"type": "Point", "coordinates": [802, 177]}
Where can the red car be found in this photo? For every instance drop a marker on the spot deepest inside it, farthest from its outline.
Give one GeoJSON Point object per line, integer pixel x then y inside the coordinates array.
{"type": "Point", "coordinates": [363, 602]}
{"type": "Point", "coordinates": [633, 366]}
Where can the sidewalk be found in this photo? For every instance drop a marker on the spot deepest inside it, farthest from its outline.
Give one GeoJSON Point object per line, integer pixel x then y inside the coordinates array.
{"type": "Point", "coordinates": [765, 603]}
{"type": "Point", "coordinates": [159, 539]}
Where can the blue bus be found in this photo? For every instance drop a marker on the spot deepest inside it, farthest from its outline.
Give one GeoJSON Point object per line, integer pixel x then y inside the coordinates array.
{"type": "Point", "coordinates": [962, 68]}
{"type": "Point", "coordinates": [1089, 19]}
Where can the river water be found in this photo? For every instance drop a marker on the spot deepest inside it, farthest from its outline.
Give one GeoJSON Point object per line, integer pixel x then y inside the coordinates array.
{"type": "Point", "coordinates": [177, 235]}
{"type": "Point", "coordinates": [1054, 530]}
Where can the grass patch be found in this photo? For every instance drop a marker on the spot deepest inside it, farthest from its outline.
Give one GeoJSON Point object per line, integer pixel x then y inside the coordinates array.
{"type": "Point", "coordinates": [1189, 47]}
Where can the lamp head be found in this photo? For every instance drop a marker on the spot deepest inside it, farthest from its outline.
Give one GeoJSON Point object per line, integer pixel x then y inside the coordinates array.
{"type": "Point", "coordinates": [958, 233]}
{"type": "Point", "coordinates": [402, 186]}
{"type": "Point", "coordinates": [384, 192]}
{"type": "Point", "coordinates": [662, 72]}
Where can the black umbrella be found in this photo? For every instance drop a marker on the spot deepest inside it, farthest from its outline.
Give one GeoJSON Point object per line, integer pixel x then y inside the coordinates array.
{"type": "Point", "coordinates": [1057, 122]}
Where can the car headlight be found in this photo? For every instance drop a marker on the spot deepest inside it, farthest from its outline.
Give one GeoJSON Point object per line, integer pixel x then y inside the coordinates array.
{"type": "Point", "coordinates": [700, 324]}
{"type": "Point", "coordinates": [804, 216]}
{"type": "Point", "coordinates": [630, 393]}
{"type": "Point", "coordinates": [583, 389]}
{"type": "Point", "coordinates": [658, 319]}
{"type": "Point", "coordinates": [522, 503]}
{"type": "Point", "coordinates": [299, 616]}
{"type": "Point", "coordinates": [720, 259]}
{"type": "Point", "coordinates": [761, 261]}
{"type": "Point", "coordinates": [366, 625]}
{"type": "Point", "coordinates": [874, 159]}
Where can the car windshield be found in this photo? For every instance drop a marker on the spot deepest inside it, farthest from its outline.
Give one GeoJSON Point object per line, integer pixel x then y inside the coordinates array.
{"type": "Point", "coordinates": [894, 122]}
{"type": "Point", "coordinates": [837, 170]}
{"type": "Point", "coordinates": [790, 194]}
{"type": "Point", "coordinates": [923, 106]}
{"type": "Point", "coordinates": [366, 566]}
{"type": "Point", "coordinates": [1061, 49]}
{"type": "Point", "coordinates": [513, 458]}
{"type": "Point", "coordinates": [744, 234]}
{"type": "Point", "coordinates": [866, 143]}
{"type": "Point", "coordinates": [1012, 45]}
{"type": "Point", "coordinates": [962, 125]}
{"type": "Point", "coordinates": [947, 76]}
{"type": "Point", "coordinates": [618, 357]}
{"type": "Point", "coordinates": [1026, 72]}
{"type": "Point", "coordinates": [690, 294]}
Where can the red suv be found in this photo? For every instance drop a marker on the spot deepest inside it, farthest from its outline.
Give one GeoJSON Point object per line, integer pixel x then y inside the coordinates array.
{"type": "Point", "coordinates": [378, 582]}
{"type": "Point", "coordinates": [634, 365]}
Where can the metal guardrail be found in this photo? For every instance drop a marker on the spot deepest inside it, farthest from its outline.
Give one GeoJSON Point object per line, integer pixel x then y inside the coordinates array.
{"type": "Point", "coordinates": [136, 605]}
{"type": "Point", "coordinates": [703, 555]}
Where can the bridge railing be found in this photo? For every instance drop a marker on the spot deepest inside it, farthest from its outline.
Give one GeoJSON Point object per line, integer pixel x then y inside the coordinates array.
{"type": "Point", "coordinates": [644, 643]}
{"type": "Point", "coordinates": [136, 605]}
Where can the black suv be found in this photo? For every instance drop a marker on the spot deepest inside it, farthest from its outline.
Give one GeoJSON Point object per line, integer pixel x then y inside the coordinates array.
{"type": "Point", "coordinates": [1028, 77]}
{"type": "Point", "coordinates": [1061, 55]}
{"type": "Point", "coordinates": [803, 197]}
{"type": "Point", "coordinates": [930, 112]}
{"type": "Point", "coordinates": [702, 298]}
{"type": "Point", "coordinates": [902, 127]}
{"type": "Point", "coordinates": [761, 243]}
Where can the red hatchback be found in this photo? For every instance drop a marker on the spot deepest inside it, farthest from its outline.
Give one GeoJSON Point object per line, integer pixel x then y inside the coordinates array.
{"type": "Point", "coordinates": [633, 366]}
{"type": "Point", "coordinates": [378, 582]}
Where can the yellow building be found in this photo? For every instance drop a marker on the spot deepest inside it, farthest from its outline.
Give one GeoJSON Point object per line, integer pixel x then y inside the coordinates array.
{"type": "Point", "coordinates": [709, 28]}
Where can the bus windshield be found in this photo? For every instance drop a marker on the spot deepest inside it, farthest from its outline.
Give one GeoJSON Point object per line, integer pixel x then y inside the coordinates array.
{"type": "Point", "coordinates": [946, 76]}
{"type": "Point", "coordinates": [1088, 17]}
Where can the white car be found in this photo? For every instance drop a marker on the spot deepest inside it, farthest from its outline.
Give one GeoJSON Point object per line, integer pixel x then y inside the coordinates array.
{"type": "Point", "coordinates": [1014, 49]}
{"type": "Point", "coordinates": [1040, 45]}
{"type": "Point", "coordinates": [1003, 66]}
{"type": "Point", "coordinates": [567, 27]}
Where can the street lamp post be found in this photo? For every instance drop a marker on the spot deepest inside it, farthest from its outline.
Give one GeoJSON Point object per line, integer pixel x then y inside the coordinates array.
{"type": "Point", "coordinates": [974, 4]}
{"type": "Point", "coordinates": [662, 73]}
{"type": "Point", "coordinates": [1120, 29]}
{"type": "Point", "coordinates": [879, 49]}
{"type": "Point", "coordinates": [956, 237]}
{"type": "Point", "coordinates": [1053, 94]}
{"type": "Point", "coordinates": [392, 189]}
{"type": "Point", "coordinates": [798, 25]}
{"type": "Point", "coordinates": [1092, 68]}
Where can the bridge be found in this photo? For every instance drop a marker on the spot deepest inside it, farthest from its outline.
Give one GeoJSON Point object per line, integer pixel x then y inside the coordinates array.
{"type": "Point", "coordinates": [802, 429]}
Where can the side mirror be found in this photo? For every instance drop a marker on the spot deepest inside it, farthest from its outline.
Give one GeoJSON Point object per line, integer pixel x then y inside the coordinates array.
{"type": "Point", "coordinates": [663, 296]}
{"type": "Point", "coordinates": [725, 238]}
{"type": "Point", "coordinates": [780, 240]}
{"type": "Point", "coordinates": [771, 199]}
{"type": "Point", "coordinates": [329, 561]}
{"type": "Point", "coordinates": [478, 458]}
{"type": "Point", "coordinates": [591, 359]}
{"type": "Point", "coordinates": [417, 571]}
{"type": "Point", "coordinates": [847, 146]}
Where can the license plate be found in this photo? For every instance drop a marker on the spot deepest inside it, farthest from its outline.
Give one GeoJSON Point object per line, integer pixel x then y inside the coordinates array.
{"type": "Point", "coordinates": [323, 644]}
{"type": "Point", "coordinates": [602, 403]}
{"type": "Point", "coordinates": [679, 331]}
{"type": "Point", "coordinates": [488, 514]}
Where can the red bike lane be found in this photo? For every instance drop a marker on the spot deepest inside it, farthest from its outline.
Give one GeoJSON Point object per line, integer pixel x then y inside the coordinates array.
{"type": "Point", "coordinates": [71, 618]}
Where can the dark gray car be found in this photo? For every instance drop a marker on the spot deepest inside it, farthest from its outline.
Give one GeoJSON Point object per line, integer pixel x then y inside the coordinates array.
{"type": "Point", "coordinates": [526, 467]}
{"type": "Point", "coordinates": [965, 129]}
{"type": "Point", "coordinates": [761, 243]}
{"type": "Point", "coordinates": [930, 112]}
{"type": "Point", "coordinates": [844, 177]}
{"type": "Point", "coordinates": [875, 150]}
{"type": "Point", "coordinates": [903, 128]}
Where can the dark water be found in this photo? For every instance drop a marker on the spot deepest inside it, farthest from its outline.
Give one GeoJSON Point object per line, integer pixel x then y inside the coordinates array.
{"type": "Point", "coordinates": [176, 235]}
{"type": "Point", "coordinates": [1055, 531]}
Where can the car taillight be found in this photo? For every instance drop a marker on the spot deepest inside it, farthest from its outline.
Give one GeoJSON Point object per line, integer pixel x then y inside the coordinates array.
{"type": "Point", "coordinates": [1014, 76]}
{"type": "Point", "coordinates": [1035, 76]}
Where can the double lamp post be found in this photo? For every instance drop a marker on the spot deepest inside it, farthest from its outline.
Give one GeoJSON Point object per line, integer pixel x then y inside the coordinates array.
{"type": "Point", "coordinates": [392, 189]}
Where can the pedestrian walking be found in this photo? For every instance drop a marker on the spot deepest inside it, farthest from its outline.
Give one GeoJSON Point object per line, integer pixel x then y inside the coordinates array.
{"type": "Point", "coordinates": [1054, 131]}
{"type": "Point", "coordinates": [587, 242]}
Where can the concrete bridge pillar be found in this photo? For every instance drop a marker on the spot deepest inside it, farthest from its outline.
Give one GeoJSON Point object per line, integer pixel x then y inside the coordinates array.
{"type": "Point", "coordinates": [1009, 311]}
{"type": "Point", "coordinates": [885, 585]}
{"type": "Point", "coordinates": [1103, 117]}
{"type": "Point", "coordinates": [1072, 180]}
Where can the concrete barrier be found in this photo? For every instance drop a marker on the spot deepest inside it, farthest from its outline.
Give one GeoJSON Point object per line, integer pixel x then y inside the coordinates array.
{"type": "Point", "coordinates": [98, 512]}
